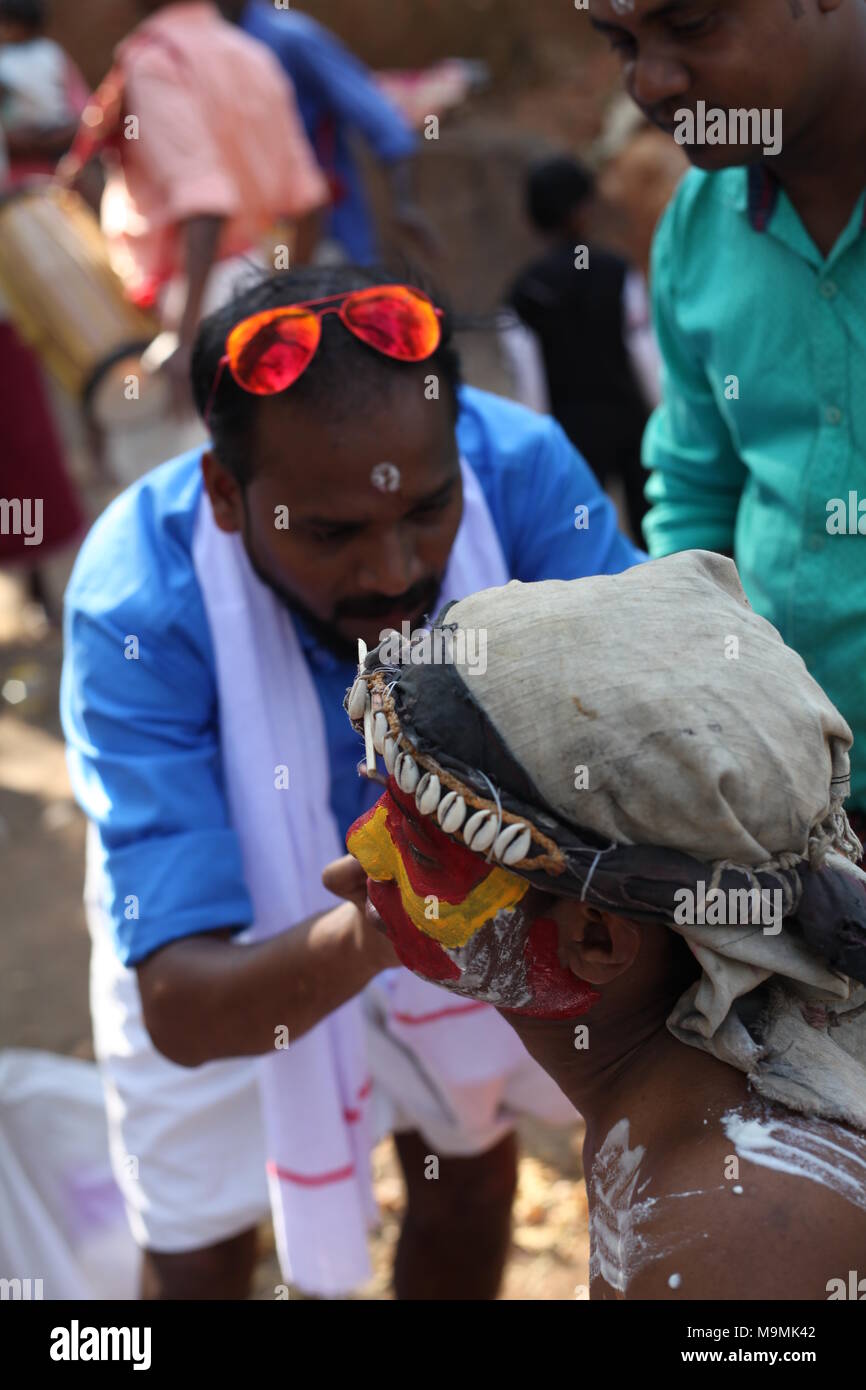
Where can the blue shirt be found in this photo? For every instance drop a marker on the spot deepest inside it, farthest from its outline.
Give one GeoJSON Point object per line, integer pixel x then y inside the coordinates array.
{"type": "Point", "coordinates": [337, 97]}
{"type": "Point", "coordinates": [143, 735]}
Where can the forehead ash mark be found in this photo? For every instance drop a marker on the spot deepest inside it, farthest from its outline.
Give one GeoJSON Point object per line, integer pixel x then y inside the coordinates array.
{"type": "Point", "coordinates": [385, 477]}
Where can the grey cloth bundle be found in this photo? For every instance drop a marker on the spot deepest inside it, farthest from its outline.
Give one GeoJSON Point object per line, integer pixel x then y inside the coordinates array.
{"type": "Point", "coordinates": [772, 1008]}
{"type": "Point", "coordinates": [698, 729]}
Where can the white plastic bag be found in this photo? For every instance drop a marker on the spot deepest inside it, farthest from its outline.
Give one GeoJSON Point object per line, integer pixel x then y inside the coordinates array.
{"type": "Point", "coordinates": [63, 1225]}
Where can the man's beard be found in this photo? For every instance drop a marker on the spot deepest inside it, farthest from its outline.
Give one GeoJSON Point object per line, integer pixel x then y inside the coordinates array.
{"type": "Point", "coordinates": [422, 597]}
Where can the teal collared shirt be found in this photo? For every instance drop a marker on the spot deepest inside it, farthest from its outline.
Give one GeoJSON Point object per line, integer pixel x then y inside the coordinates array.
{"type": "Point", "coordinates": [763, 421]}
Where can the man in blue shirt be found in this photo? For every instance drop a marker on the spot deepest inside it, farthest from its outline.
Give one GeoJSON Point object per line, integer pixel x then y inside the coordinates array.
{"type": "Point", "coordinates": [349, 494]}
{"type": "Point", "coordinates": [338, 100]}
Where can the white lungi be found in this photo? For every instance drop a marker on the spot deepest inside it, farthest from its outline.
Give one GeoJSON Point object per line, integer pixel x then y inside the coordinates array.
{"type": "Point", "coordinates": [187, 1143]}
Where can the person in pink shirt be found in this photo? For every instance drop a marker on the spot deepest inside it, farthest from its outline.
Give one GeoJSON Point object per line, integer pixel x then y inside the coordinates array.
{"type": "Point", "coordinates": [206, 154]}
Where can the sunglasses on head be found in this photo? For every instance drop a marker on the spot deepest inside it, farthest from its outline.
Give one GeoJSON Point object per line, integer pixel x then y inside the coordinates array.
{"type": "Point", "coordinates": [267, 352]}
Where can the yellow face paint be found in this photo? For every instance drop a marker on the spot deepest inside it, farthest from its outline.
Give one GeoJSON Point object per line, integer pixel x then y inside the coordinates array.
{"type": "Point", "coordinates": [381, 841]}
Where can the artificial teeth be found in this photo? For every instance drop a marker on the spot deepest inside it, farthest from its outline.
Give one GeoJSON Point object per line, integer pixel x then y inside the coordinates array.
{"type": "Point", "coordinates": [380, 731]}
{"type": "Point", "coordinates": [389, 752]}
{"type": "Point", "coordinates": [512, 844]}
{"type": "Point", "coordinates": [357, 700]}
{"type": "Point", "coordinates": [451, 813]}
{"type": "Point", "coordinates": [479, 832]}
{"type": "Point", "coordinates": [406, 773]}
{"type": "Point", "coordinates": [427, 793]}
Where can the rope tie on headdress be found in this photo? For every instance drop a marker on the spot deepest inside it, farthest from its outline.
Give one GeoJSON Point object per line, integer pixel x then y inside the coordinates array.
{"type": "Point", "coordinates": [588, 880]}
{"type": "Point", "coordinates": [834, 833]}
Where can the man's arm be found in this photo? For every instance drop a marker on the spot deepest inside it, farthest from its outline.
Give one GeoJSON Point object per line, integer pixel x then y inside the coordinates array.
{"type": "Point", "coordinates": [308, 234]}
{"type": "Point", "coordinates": [696, 474]}
{"type": "Point", "coordinates": [349, 89]}
{"type": "Point", "coordinates": [178, 152]}
{"type": "Point", "coordinates": [200, 239]}
{"type": "Point", "coordinates": [145, 765]}
{"type": "Point", "coordinates": [204, 998]}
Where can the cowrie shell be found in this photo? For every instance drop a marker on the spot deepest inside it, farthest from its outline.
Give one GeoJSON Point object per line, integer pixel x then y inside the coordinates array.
{"type": "Point", "coordinates": [451, 813]}
{"type": "Point", "coordinates": [406, 773]}
{"type": "Point", "coordinates": [357, 700]}
{"type": "Point", "coordinates": [427, 793]}
{"type": "Point", "coordinates": [389, 752]}
{"type": "Point", "coordinates": [380, 731]}
{"type": "Point", "coordinates": [479, 832]}
{"type": "Point", "coordinates": [512, 843]}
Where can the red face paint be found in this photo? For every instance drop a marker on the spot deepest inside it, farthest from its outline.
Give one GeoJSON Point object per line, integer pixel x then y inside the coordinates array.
{"type": "Point", "coordinates": [478, 941]}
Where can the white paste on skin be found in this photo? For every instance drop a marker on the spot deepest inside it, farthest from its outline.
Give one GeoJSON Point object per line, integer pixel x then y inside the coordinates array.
{"type": "Point", "coordinates": [617, 1250]}
{"type": "Point", "coordinates": [789, 1148]}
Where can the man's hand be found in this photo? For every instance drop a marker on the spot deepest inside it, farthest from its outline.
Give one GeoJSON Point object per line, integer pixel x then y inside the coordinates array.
{"type": "Point", "coordinates": [346, 879]}
{"type": "Point", "coordinates": [206, 998]}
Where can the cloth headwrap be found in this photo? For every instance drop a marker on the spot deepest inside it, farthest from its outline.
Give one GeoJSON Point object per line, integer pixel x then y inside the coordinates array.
{"type": "Point", "coordinates": [631, 736]}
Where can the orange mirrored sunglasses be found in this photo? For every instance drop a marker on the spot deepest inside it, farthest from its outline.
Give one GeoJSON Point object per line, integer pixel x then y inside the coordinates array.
{"type": "Point", "coordinates": [267, 352]}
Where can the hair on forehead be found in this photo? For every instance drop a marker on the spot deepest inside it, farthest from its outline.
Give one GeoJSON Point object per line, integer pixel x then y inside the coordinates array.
{"type": "Point", "coordinates": [345, 376]}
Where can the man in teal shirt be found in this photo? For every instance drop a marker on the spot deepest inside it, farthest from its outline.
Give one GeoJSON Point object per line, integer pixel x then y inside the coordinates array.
{"type": "Point", "coordinates": [759, 288]}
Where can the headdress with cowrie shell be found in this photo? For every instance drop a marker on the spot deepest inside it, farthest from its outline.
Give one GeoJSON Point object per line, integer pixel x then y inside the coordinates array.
{"type": "Point", "coordinates": [698, 767]}
{"type": "Point", "coordinates": [714, 761]}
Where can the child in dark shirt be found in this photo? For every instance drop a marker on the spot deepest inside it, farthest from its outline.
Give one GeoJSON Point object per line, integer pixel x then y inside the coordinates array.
{"type": "Point", "coordinates": [586, 340]}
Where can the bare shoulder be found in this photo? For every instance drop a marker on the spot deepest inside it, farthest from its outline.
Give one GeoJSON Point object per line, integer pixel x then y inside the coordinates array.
{"type": "Point", "coordinates": [751, 1202]}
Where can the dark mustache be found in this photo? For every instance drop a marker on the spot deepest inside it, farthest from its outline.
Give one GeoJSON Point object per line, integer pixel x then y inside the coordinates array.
{"type": "Point", "coordinates": [377, 606]}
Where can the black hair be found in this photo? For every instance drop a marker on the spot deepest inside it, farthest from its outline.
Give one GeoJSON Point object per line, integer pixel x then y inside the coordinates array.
{"type": "Point", "coordinates": [344, 376]}
{"type": "Point", "coordinates": [554, 189]}
{"type": "Point", "coordinates": [32, 14]}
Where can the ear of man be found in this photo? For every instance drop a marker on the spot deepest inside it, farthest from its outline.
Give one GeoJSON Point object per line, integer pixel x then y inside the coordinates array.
{"type": "Point", "coordinates": [596, 946]}
{"type": "Point", "coordinates": [224, 492]}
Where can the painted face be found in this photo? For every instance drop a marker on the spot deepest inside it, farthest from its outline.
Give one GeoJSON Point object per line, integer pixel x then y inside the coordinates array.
{"type": "Point", "coordinates": [458, 921]}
